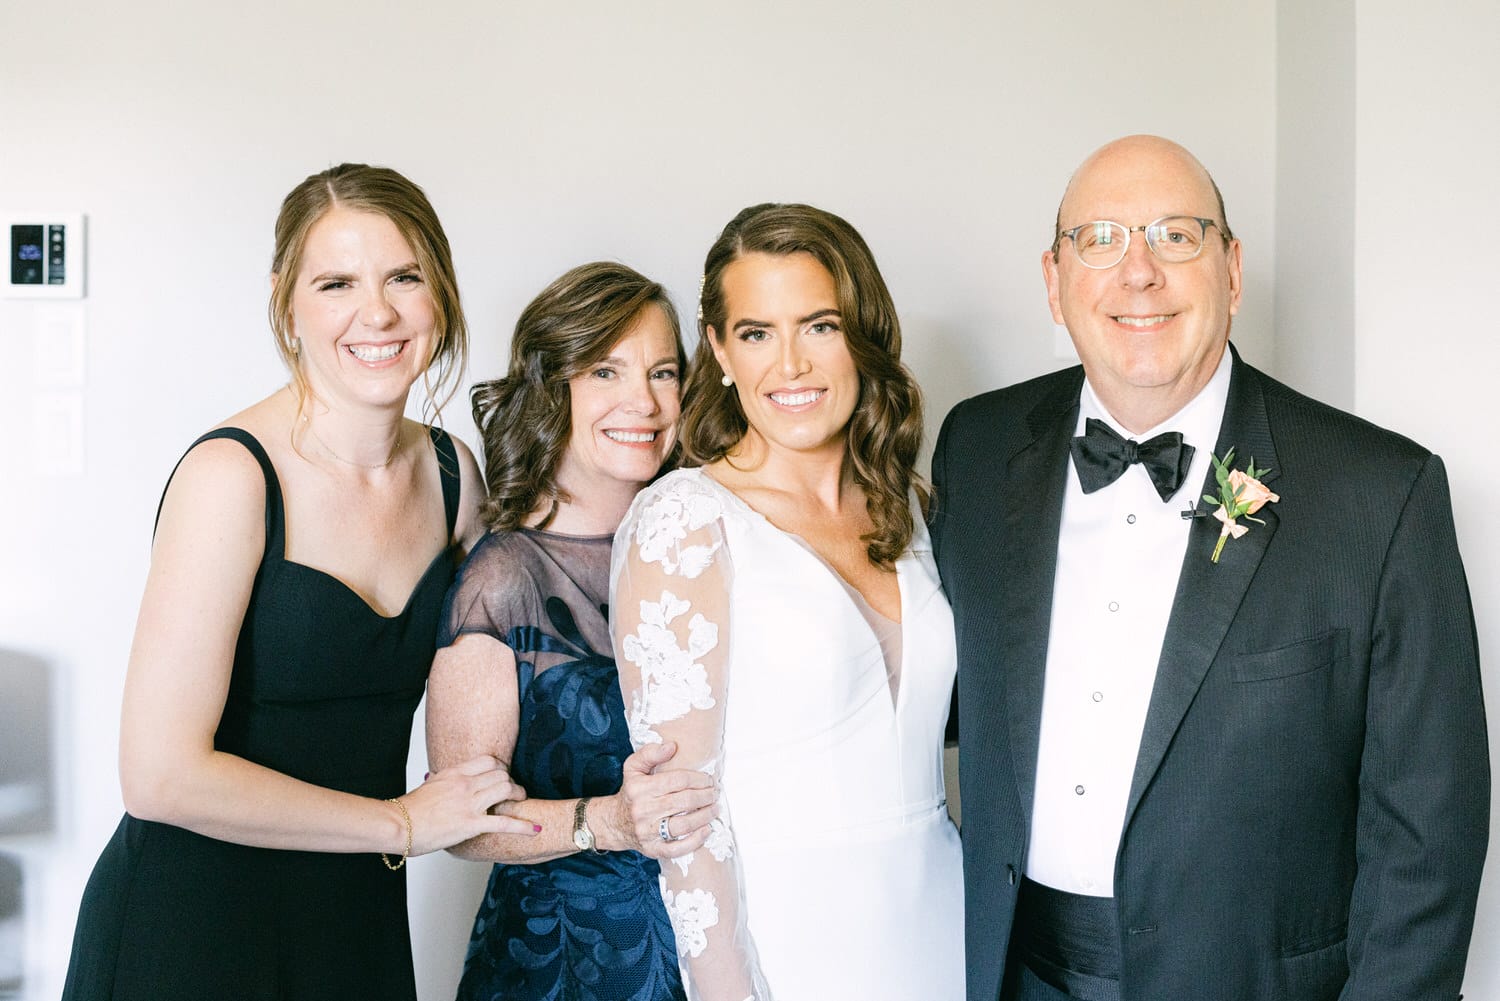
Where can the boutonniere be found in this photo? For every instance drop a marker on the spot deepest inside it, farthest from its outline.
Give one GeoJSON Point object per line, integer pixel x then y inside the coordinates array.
{"type": "Point", "coordinates": [1241, 494]}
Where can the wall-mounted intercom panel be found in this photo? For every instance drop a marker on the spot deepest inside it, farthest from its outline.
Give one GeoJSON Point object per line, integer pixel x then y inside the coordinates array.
{"type": "Point", "coordinates": [44, 254]}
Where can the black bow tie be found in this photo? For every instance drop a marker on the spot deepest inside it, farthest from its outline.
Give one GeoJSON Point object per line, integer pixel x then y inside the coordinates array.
{"type": "Point", "coordinates": [1102, 456]}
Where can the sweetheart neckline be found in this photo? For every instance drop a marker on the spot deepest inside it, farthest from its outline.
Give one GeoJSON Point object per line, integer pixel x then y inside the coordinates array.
{"type": "Point", "coordinates": [405, 608]}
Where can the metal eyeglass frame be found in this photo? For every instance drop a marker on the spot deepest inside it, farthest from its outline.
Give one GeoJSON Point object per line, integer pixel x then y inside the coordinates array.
{"type": "Point", "coordinates": [1150, 243]}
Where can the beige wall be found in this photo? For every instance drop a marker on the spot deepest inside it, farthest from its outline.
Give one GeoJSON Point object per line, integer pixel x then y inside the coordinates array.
{"type": "Point", "coordinates": [1315, 184]}
{"type": "Point", "coordinates": [552, 134]}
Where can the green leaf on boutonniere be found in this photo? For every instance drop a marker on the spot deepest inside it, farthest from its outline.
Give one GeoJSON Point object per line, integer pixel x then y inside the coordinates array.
{"type": "Point", "coordinates": [1241, 494]}
{"type": "Point", "coordinates": [1221, 469]}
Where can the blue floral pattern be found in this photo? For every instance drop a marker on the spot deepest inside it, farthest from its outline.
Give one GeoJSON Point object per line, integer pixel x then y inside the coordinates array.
{"type": "Point", "coordinates": [584, 927]}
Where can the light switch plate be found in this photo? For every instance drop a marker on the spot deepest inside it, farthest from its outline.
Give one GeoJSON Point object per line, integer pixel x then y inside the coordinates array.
{"type": "Point", "coordinates": [44, 254]}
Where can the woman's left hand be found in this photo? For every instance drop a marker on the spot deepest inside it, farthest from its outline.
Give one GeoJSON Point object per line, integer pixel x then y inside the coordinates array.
{"type": "Point", "coordinates": [683, 800]}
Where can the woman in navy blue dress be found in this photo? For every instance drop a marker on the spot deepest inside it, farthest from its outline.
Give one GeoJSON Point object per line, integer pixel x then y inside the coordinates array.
{"type": "Point", "coordinates": [586, 416]}
{"type": "Point", "coordinates": [302, 552]}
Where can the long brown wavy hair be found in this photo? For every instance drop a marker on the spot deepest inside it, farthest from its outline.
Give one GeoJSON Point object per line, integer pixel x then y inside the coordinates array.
{"type": "Point", "coordinates": [885, 431]}
{"type": "Point", "coordinates": [387, 193]}
{"type": "Point", "coordinates": [525, 419]}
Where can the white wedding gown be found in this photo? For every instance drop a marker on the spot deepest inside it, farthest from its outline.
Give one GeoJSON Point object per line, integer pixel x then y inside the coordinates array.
{"type": "Point", "coordinates": [833, 871]}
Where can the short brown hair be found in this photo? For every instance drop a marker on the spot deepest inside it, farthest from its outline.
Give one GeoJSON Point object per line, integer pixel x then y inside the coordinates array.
{"type": "Point", "coordinates": [525, 418]}
{"type": "Point", "coordinates": [885, 431]}
{"type": "Point", "coordinates": [387, 193]}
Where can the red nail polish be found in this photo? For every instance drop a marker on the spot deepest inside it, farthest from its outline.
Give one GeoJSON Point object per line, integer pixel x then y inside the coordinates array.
{"type": "Point", "coordinates": [537, 828]}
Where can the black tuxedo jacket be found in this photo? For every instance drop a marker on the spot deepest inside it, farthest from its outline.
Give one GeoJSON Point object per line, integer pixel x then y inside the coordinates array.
{"type": "Point", "coordinates": [1310, 804]}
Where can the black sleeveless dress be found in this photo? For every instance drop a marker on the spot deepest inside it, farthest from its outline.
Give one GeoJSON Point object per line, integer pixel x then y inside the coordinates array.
{"type": "Point", "coordinates": [323, 688]}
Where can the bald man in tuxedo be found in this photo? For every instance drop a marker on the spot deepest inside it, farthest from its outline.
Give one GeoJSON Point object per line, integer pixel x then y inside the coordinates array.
{"type": "Point", "coordinates": [1223, 747]}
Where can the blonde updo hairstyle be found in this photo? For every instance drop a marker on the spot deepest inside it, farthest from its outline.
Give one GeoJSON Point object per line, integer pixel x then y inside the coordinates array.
{"type": "Point", "coordinates": [386, 193]}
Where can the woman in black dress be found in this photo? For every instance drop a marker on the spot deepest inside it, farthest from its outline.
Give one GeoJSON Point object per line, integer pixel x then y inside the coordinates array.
{"type": "Point", "coordinates": [586, 416]}
{"type": "Point", "coordinates": [302, 552]}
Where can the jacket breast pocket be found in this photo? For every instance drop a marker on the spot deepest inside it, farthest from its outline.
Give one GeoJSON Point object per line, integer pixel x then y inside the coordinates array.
{"type": "Point", "coordinates": [1302, 657]}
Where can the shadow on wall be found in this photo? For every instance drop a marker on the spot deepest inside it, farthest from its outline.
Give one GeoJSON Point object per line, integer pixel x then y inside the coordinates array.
{"type": "Point", "coordinates": [26, 795]}
{"type": "Point", "coordinates": [12, 927]}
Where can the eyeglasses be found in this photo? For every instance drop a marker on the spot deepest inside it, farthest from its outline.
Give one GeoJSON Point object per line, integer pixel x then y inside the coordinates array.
{"type": "Point", "coordinates": [1102, 244]}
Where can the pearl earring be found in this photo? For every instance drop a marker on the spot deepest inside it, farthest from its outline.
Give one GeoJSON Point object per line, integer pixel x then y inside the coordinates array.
{"type": "Point", "coordinates": [727, 381]}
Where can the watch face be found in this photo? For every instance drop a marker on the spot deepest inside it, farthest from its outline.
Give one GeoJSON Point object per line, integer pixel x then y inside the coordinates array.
{"type": "Point", "coordinates": [582, 840]}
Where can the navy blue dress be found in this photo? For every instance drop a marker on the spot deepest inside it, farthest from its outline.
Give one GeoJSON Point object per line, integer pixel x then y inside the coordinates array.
{"type": "Point", "coordinates": [583, 927]}
{"type": "Point", "coordinates": [323, 689]}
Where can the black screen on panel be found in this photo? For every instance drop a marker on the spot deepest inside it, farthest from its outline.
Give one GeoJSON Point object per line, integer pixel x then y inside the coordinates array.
{"type": "Point", "coordinates": [26, 255]}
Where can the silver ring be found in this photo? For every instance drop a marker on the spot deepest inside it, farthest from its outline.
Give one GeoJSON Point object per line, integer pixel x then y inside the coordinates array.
{"type": "Point", "coordinates": [664, 831]}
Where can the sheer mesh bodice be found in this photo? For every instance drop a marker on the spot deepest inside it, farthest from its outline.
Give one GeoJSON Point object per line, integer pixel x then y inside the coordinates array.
{"type": "Point", "coordinates": [832, 870]}
{"type": "Point", "coordinates": [582, 927]}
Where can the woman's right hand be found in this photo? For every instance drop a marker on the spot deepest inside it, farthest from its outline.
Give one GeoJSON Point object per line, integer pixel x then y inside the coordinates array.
{"type": "Point", "coordinates": [456, 804]}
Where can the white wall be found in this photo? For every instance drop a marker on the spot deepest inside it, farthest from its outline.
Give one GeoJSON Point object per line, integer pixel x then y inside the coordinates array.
{"type": "Point", "coordinates": [546, 135]}
{"type": "Point", "coordinates": [1426, 265]}
{"type": "Point", "coordinates": [1386, 263]}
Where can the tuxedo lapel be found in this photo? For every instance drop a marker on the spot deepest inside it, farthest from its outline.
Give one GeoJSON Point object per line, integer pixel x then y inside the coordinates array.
{"type": "Point", "coordinates": [1032, 498]}
{"type": "Point", "coordinates": [1208, 594]}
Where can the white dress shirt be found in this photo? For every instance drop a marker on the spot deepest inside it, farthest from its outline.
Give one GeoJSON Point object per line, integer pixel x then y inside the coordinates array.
{"type": "Point", "coordinates": [1119, 553]}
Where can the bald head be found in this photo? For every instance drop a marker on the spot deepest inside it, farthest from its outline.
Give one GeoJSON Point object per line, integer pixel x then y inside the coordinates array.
{"type": "Point", "coordinates": [1131, 163]}
{"type": "Point", "coordinates": [1149, 329]}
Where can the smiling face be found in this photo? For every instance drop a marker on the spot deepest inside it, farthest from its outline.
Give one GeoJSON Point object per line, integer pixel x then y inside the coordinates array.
{"type": "Point", "coordinates": [623, 411]}
{"type": "Point", "coordinates": [361, 311]}
{"type": "Point", "coordinates": [1149, 333]}
{"type": "Point", "coordinates": [783, 344]}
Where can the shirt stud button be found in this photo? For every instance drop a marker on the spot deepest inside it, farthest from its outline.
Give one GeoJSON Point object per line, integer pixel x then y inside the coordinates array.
{"type": "Point", "coordinates": [1130, 519]}
{"type": "Point", "coordinates": [1078, 790]}
{"type": "Point", "coordinates": [1114, 606]}
{"type": "Point", "coordinates": [1098, 696]}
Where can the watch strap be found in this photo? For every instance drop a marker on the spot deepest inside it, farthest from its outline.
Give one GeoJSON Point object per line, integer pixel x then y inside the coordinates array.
{"type": "Point", "coordinates": [581, 825]}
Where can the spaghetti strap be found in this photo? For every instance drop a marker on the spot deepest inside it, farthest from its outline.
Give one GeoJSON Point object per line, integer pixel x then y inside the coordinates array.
{"type": "Point", "coordinates": [275, 517]}
{"type": "Point", "coordinates": [448, 470]}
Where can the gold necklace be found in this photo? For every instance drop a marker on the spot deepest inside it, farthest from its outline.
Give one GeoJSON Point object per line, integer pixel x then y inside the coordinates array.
{"type": "Point", "coordinates": [395, 447]}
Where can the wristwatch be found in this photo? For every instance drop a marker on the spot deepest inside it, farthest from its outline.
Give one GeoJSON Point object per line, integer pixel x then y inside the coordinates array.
{"type": "Point", "coordinates": [583, 837]}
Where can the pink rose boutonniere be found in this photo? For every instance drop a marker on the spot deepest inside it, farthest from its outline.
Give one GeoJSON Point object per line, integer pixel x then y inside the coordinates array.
{"type": "Point", "coordinates": [1241, 494]}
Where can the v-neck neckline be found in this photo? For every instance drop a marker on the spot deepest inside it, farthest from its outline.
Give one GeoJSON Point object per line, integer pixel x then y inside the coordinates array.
{"type": "Point", "coordinates": [853, 595]}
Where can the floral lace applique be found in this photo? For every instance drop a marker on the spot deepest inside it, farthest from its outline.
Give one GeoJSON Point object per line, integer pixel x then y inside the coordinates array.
{"type": "Point", "coordinates": [693, 913]}
{"type": "Point", "coordinates": [672, 679]}
{"type": "Point", "coordinates": [720, 845]}
{"type": "Point", "coordinates": [666, 521]}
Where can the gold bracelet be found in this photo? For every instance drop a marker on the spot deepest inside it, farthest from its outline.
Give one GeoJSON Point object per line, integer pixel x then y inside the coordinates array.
{"type": "Point", "coordinates": [407, 853]}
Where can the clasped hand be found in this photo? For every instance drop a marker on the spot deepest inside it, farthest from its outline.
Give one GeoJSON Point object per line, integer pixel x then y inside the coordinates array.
{"type": "Point", "coordinates": [461, 802]}
{"type": "Point", "coordinates": [684, 797]}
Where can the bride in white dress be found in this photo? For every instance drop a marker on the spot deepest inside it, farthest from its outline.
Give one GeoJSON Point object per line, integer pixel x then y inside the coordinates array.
{"type": "Point", "coordinates": [777, 614]}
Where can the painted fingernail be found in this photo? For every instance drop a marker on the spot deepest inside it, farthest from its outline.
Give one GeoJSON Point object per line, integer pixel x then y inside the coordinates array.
{"type": "Point", "coordinates": [537, 828]}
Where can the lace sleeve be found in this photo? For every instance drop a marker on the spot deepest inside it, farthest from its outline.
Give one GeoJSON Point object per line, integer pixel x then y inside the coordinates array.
{"type": "Point", "coordinates": [669, 592]}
